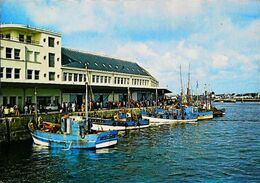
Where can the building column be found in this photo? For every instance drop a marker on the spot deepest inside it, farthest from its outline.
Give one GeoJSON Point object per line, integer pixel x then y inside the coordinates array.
{"type": "Point", "coordinates": [156, 96]}
{"type": "Point", "coordinates": [128, 97]}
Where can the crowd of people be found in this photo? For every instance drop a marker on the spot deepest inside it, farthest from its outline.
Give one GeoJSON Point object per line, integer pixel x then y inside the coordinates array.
{"type": "Point", "coordinates": [65, 107]}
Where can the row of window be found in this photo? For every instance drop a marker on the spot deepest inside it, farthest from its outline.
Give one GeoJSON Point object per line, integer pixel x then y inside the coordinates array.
{"type": "Point", "coordinates": [74, 77]}
{"type": "Point", "coordinates": [29, 55]}
{"type": "Point", "coordinates": [101, 79]}
{"type": "Point", "coordinates": [119, 80]}
{"type": "Point", "coordinates": [15, 73]}
{"type": "Point", "coordinates": [31, 74]}
{"type": "Point", "coordinates": [28, 39]}
{"type": "Point", "coordinates": [122, 81]}
{"type": "Point", "coordinates": [141, 82]}
{"type": "Point", "coordinates": [9, 53]}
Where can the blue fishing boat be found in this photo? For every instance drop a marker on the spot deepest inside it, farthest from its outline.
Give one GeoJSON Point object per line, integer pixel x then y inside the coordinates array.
{"type": "Point", "coordinates": [161, 116]}
{"type": "Point", "coordinates": [72, 133]}
{"type": "Point", "coordinates": [121, 121]}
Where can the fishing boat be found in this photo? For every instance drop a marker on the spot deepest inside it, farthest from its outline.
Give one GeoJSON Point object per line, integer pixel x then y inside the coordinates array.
{"type": "Point", "coordinates": [218, 112]}
{"type": "Point", "coordinates": [71, 134]}
{"type": "Point", "coordinates": [121, 121]}
{"type": "Point", "coordinates": [173, 116]}
{"type": "Point", "coordinates": [203, 114]}
{"type": "Point", "coordinates": [74, 132]}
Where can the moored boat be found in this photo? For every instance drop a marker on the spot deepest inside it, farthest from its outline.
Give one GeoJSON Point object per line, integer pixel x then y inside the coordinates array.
{"type": "Point", "coordinates": [218, 112]}
{"type": "Point", "coordinates": [203, 114]}
{"type": "Point", "coordinates": [72, 134]}
{"type": "Point", "coordinates": [183, 115]}
{"type": "Point", "coordinates": [121, 121]}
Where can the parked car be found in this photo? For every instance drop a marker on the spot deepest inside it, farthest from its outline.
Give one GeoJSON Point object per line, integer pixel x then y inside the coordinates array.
{"type": "Point", "coordinates": [52, 107]}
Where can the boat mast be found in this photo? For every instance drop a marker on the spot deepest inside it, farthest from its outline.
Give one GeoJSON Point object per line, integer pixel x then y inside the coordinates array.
{"type": "Point", "coordinates": [189, 89]}
{"type": "Point", "coordinates": [86, 97]}
{"type": "Point", "coordinates": [183, 98]}
{"type": "Point", "coordinates": [181, 85]}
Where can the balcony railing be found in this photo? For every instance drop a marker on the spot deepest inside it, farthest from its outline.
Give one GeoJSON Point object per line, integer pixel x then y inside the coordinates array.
{"type": "Point", "coordinates": [27, 41]}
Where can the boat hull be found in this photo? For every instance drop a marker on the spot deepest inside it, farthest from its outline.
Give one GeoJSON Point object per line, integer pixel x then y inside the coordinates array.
{"type": "Point", "coordinates": [88, 141]}
{"type": "Point", "coordinates": [168, 121]}
{"type": "Point", "coordinates": [206, 117]}
{"type": "Point", "coordinates": [102, 128]}
{"type": "Point", "coordinates": [119, 125]}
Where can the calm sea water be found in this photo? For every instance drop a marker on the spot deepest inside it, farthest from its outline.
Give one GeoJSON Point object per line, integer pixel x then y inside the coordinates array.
{"type": "Point", "coordinates": [225, 149]}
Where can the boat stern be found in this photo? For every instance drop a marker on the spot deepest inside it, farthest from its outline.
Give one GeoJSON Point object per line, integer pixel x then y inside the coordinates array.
{"type": "Point", "coordinates": [107, 139]}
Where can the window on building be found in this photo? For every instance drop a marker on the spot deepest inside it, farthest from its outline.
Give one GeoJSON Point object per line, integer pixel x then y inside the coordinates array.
{"type": "Point", "coordinates": [17, 53]}
{"type": "Point", "coordinates": [28, 39]}
{"type": "Point", "coordinates": [97, 79]}
{"type": "Point", "coordinates": [75, 77]}
{"type": "Point", "coordinates": [109, 79]}
{"type": "Point", "coordinates": [8, 52]}
{"type": "Point", "coordinates": [12, 100]}
{"type": "Point", "coordinates": [29, 74]}
{"type": "Point", "coordinates": [21, 37]}
{"type": "Point", "coordinates": [8, 36]}
{"type": "Point", "coordinates": [51, 76]}
{"type": "Point", "coordinates": [5, 100]}
{"type": "Point", "coordinates": [93, 78]}
{"type": "Point", "coordinates": [105, 79]}
{"type": "Point", "coordinates": [101, 79]}
{"type": "Point", "coordinates": [118, 80]}
{"type": "Point", "coordinates": [122, 81]}
{"type": "Point", "coordinates": [36, 75]}
{"type": "Point", "coordinates": [36, 56]}
{"type": "Point", "coordinates": [80, 77]}
{"type": "Point", "coordinates": [29, 55]}
{"type": "Point", "coordinates": [9, 72]}
{"type": "Point", "coordinates": [65, 76]}
{"type": "Point", "coordinates": [85, 79]}
{"type": "Point", "coordinates": [1, 72]}
{"type": "Point", "coordinates": [70, 76]}
{"type": "Point", "coordinates": [51, 60]}
{"type": "Point", "coordinates": [51, 41]}
{"type": "Point", "coordinates": [29, 99]}
{"type": "Point", "coordinates": [16, 73]}
{"type": "Point", "coordinates": [115, 80]}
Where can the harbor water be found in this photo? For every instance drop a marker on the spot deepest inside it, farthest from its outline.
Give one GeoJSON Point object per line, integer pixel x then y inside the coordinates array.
{"type": "Point", "coordinates": [225, 149]}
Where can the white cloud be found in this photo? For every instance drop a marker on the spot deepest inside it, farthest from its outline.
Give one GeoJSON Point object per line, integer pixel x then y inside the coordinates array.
{"type": "Point", "coordinates": [219, 61]}
{"type": "Point", "coordinates": [211, 41]}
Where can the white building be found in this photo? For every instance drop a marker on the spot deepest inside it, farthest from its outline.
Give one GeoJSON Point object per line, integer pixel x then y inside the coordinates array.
{"type": "Point", "coordinates": [34, 66]}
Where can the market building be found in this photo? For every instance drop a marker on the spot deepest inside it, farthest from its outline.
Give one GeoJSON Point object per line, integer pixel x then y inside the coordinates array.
{"type": "Point", "coordinates": [35, 67]}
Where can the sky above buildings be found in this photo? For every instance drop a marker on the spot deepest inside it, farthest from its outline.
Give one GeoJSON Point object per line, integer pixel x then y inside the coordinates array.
{"type": "Point", "coordinates": [219, 39]}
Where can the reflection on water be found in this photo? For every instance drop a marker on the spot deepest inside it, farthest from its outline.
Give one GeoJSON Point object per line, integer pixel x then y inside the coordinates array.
{"type": "Point", "coordinates": [224, 149]}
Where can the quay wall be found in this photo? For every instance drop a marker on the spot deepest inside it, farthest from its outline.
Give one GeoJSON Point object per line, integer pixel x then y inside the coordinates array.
{"type": "Point", "coordinates": [14, 129]}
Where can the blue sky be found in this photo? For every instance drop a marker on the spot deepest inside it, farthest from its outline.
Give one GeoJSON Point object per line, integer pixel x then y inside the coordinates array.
{"type": "Point", "coordinates": [220, 39]}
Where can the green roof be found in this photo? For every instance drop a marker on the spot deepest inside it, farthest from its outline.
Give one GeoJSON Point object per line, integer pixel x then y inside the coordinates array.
{"type": "Point", "coordinates": [77, 59]}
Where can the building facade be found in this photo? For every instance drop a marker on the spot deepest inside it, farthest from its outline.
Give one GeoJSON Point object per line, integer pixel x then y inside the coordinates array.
{"type": "Point", "coordinates": [34, 67]}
